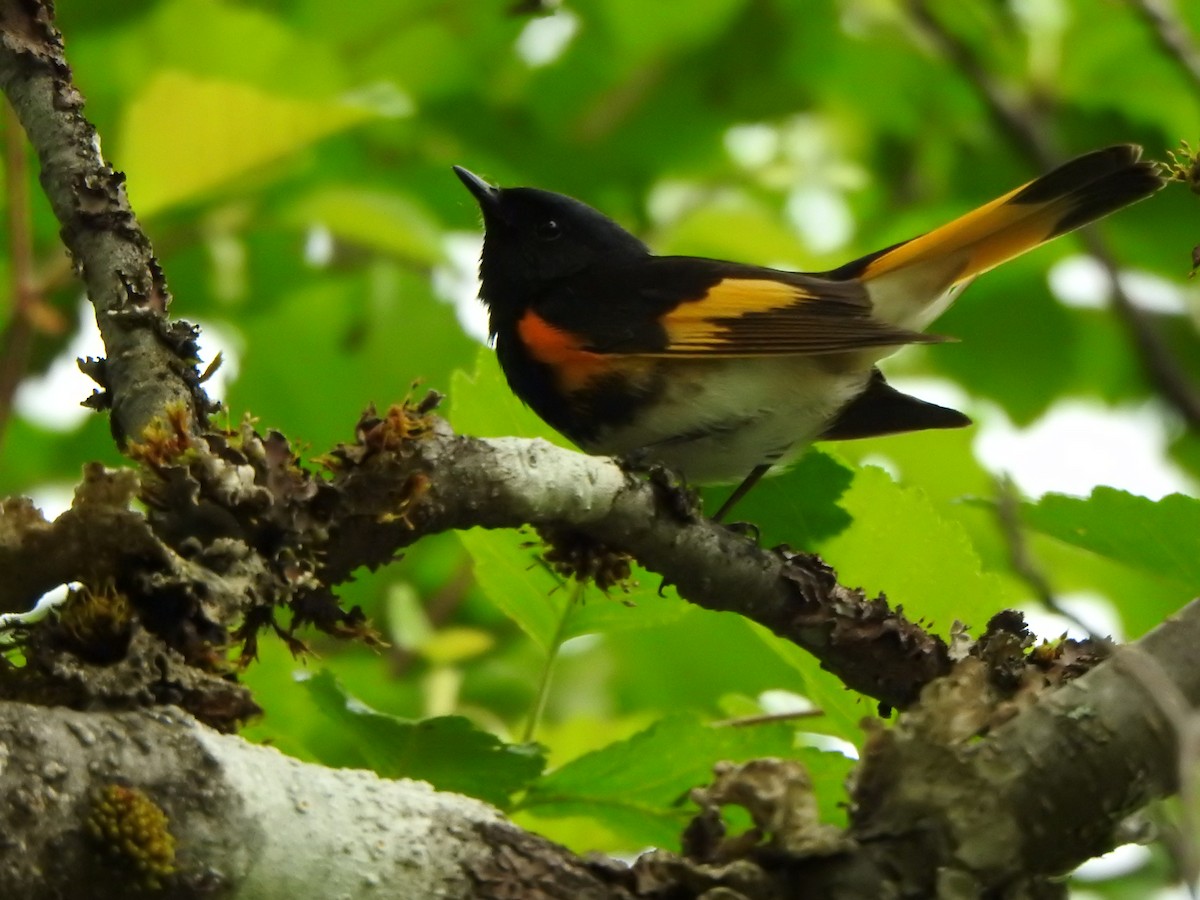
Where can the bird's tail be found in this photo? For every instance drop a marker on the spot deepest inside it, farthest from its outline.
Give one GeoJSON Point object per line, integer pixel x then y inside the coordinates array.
{"type": "Point", "coordinates": [907, 279]}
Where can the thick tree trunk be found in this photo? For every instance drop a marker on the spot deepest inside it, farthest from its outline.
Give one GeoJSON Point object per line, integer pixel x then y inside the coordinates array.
{"type": "Point", "coordinates": [112, 805]}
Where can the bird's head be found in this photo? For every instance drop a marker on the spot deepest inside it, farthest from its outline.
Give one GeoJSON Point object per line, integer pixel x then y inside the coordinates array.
{"type": "Point", "coordinates": [534, 238]}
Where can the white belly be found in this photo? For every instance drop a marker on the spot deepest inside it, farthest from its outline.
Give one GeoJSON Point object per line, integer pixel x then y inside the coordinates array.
{"type": "Point", "coordinates": [742, 413]}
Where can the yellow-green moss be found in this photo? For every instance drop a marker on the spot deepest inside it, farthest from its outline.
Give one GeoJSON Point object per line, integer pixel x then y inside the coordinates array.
{"type": "Point", "coordinates": [133, 830]}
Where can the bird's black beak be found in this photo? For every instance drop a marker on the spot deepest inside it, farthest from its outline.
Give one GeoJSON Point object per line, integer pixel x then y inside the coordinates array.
{"type": "Point", "coordinates": [488, 196]}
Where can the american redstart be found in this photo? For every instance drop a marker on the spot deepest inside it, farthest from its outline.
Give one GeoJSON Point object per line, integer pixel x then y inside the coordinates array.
{"type": "Point", "coordinates": [722, 370]}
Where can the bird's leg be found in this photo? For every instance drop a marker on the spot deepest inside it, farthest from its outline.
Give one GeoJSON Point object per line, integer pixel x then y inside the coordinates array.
{"type": "Point", "coordinates": [682, 500]}
{"type": "Point", "coordinates": [740, 491]}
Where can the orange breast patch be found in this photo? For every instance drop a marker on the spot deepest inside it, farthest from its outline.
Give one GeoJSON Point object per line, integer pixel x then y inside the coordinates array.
{"type": "Point", "coordinates": [561, 351]}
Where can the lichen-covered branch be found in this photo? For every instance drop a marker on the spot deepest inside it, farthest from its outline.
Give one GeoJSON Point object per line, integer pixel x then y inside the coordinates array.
{"type": "Point", "coordinates": [980, 789]}
{"type": "Point", "coordinates": [236, 528]}
{"type": "Point", "coordinates": [151, 362]}
{"type": "Point", "coordinates": [439, 481]}
{"type": "Point", "coordinates": [133, 804]}
{"type": "Point", "coordinates": [1060, 769]}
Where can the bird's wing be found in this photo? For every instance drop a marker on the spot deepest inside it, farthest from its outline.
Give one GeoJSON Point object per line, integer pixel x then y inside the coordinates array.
{"type": "Point", "coordinates": [690, 307]}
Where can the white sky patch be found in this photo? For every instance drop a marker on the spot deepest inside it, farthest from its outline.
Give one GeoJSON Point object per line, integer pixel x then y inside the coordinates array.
{"type": "Point", "coordinates": [52, 499]}
{"type": "Point", "coordinates": [1092, 610]}
{"type": "Point", "coordinates": [580, 644]}
{"type": "Point", "coordinates": [1077, 445]}
{"type": "Point", "coordinates": [1120, 861]}
{"type": "Point", "coordinates": [227, 340]}
{"type": "Point", "coordinates": [1080, 444]}
{"type": "Point", "coordinates": [669, 200]}
{"type": "Point", "coordinates": [546, 38]}
{"type": "Point", "coordinates": [318, 246]}
{"type": "Point", "coordinates": [52, 400]}
{"type": "Point", "coordinates": [821, 216]}
{"type": "Point", "coordinates": [778, 702]}
{"type": "Point", "coordinates": [457, 281]}
{"type": "Point", "coordinates": [752, 146]}
{"type": "Point", "coordinates": [828, 742]}
{"type": "Point", "coordinates": [880, 461]}
{"type": "Point", "coordinates": [1081, 281]}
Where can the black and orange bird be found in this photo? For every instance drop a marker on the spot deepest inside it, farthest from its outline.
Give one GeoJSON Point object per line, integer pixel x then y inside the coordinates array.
{"type": "Point", "coordinates": [722, 370]}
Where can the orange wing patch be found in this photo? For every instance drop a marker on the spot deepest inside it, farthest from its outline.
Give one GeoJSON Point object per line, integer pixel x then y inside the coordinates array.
{"type": "Point", "coordinates": [694, 325]}
{"type": "Point", "coordinates": [748, 317]}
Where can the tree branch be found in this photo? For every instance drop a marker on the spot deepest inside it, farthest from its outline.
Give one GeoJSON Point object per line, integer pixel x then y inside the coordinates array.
{"type": "Point", "coordinates": [240, 820]}
{"type": "Point", "coordinates": [277, 533]}
{"type": "Point", "coordinates": [150, 366]}
{"type": "Point", "coordinates": [975, 787]}
{"type": "Point", "coordinates": [1172, 35]}
{"type": "Point", "coordinates": [506, 483]}
{"type": "Point", "coordinates": [1048, 788]}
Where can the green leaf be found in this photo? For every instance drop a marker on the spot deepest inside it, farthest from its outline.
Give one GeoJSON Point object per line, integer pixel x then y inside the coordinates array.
{"type": "Point", "coordinates": [637, 787]}
{"type": "Point", "coordinates": [339, 342]}
{"type": "Point", "coordinates": [901, 546]}
{"type": "Point", "coordinates": [391, 222]}
{"type": "Point", "coordinates": [798, 507]}
{"type": "Point", "coordinates": [211, 40]}
{"type": "Point", "coordinates": [449, 752]}
{"type": "Point", "coordinates": [1161, 537]}
{"type": "Point", "coordinates": [1139, 597]}
{"type": "Point", "coordinates": [640, 29]}
{"type": "Point", "coordinates": [735, 229]}
{"type": "Point", "coordinates": [512, 577]}
{"type": "Point", "coordinates": [509, 569]}
{"type": "Point", "coordinates": [684, 665]}
{"type": "Point", "coordinates": [231, 129]}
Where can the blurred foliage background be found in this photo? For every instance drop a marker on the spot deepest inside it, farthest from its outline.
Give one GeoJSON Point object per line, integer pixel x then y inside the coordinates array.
{"type": "Point", "coordinates": [290, 159]}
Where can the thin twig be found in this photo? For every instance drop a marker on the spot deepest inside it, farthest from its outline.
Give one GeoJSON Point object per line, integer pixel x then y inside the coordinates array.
{"type": "Point", "coordinates": [1023, 564]}
{"type": "Point", "coordinates": [769, 718]}
{"type": "Point", "coordinates": [1015, 119]}
{"type": "Point", "coordinates": [1172, 34]}
{"type": "Point", "coordinates": [18, 332]}
{"type": "Point", "coordinates": [1158, 361]}
{"type": "Point", "coordinates": [1018, 122]}
{"type": "Point", "coordinates": [543, 688]}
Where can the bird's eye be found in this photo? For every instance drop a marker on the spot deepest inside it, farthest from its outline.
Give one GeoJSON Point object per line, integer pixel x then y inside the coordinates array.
{"type": "Point", "coordinates": [548, 230]}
